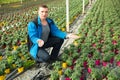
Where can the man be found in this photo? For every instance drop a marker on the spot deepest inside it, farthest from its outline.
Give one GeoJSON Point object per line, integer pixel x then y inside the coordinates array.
{"type": "Point", "coordinates": [46, 35]}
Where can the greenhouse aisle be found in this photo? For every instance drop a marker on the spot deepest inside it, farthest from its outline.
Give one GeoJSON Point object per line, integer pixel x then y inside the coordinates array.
{"type": "Point", "coordinates": [30, 73]}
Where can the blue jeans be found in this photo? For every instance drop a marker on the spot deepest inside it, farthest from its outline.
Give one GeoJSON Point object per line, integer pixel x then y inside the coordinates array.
{"type": "Point", "coordinates": [43, 55]}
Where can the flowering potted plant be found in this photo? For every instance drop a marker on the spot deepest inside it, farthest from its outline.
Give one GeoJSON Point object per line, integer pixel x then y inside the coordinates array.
{"type": "Point", "coordinates": [2, 68]}
{"type": "Point", "coordinates": [19, 64]}
{"type": "Point", "coordinates": [114, 74]}
{"type": "Point", "coordinates": [68, 73]}
{"type": "Point", "coordinates": [54, 75]}
{"type": "Point", "coordinates": [117, 59]}
{"type": "Point", "coordinates": [96, 74]}
{"type": "Point", "coordinates": [107, 57]}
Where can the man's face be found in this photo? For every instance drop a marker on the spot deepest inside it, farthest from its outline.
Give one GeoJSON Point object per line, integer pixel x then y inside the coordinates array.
{"type": "Point", "coordinates": [43, 12]}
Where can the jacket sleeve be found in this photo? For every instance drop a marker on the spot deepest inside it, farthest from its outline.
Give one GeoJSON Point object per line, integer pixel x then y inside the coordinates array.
{"type": "Point", "coordinates": [32, 32]}
{"type": "Point", "coordinates": [57, 32]}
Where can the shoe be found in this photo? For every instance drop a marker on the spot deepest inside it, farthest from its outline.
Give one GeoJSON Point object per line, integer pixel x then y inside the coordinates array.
{"type": "Point", "coordinates": [56, 59]}
{"type": "Point", "coordinates": [41, 64]}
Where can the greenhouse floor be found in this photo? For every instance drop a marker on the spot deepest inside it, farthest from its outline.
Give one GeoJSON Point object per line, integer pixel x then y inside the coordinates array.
{"type": "Point", "coordinates": [30, 73]}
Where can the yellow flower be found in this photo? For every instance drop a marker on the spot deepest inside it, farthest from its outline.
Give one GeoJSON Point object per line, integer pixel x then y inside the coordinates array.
{"type": "Point", "coordinates": [60, 72]}
{"type": "Point", "coordinates": [2, 77]}
{"type": "Point", "coordinates": [64, 65]}
{"type": "Point", "coordinates": [75, 43]}
{"type": "Point", "coordinates": [1, 57]}
{"type": "Point", "coordinates": [14, 65]}
{"type": "Point", "coordinates": [15, 47]}
{"type": "Point", "coordinates": [21, 69]}
{"type": "Point", "coordinates": [7, 71]}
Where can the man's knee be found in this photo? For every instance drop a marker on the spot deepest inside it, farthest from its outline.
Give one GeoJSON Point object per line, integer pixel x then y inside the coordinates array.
{"type": "Point", "coordinates": [42, 55]}
{"type": "Point", "coordinates": [59, 40]}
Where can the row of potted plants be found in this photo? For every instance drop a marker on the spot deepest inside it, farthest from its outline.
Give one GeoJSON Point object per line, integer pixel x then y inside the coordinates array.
{"type": "Point", "coordinates": [13, 39]}
{"type": "Point", "coordinates": [96, 55]}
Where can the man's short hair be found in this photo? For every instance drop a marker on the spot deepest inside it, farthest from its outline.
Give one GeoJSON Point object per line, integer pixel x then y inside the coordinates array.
{"type": "Point", "coordinates": [43, 6]}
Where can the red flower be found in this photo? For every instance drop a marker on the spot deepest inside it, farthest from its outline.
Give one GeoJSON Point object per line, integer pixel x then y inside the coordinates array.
{"type": "Point", "coordinates": [104, 64]}
{"type": "Point", "coordinates": [114, 42]}
{"type": "Point", "coordinates": [85, 64]}
{"type": "Point", "coordinates": [118, 63]}
{"type": "Point", "coordinates": [97, 62]}
{"type": "Point", "coordinates": [94, 45]}
{"type": "Point", "coordinates": [89, 70]}
{"type": "Point", "coordinates": [67, 78]}
{"type": "Point", "coordinates": [116, 51]}
{"type": "Point", "coordinates": [90, 55]}
{"type": "Point", "coordinates": [82, 77]}
{"type": "Point", "coordinates": [99, 49]}
{"type": "Point", "coordinates": [71, 67]}
{"type": "Point", "coordinates": [73, 62]}
{"type": "Point", "coordinates": [111, 60]}
{"type": "Point", "coordinates": [79, 50]}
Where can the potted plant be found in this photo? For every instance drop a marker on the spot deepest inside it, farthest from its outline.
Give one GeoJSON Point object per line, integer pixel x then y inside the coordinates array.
{"type": "Point", "coordinates": [54, 75]}
{"type": "Point", "coordinates": [96, 74]}
{"type": "Point", "coordinates": [2, 68]}
{"type": "Point", "coordinates": [107, 57]}
{"type": "Point", "coordinates": [1, 56]}
{"type": "Point", "coordinates": [69, 61]}
{"type": "Point", "coordinates": [117, 59]}
{"type": "Point", "coordinates": [19, 64]}
{"type": "Point", "coordinates": [114, 74]}
{"type": "Point", "coordinates": [105, 71]}
{"type": "Point", "coordinates": [57, 65]}
{"type": "Point", "coordinates": [68, 73]}
{"type": "Point", "coordinates": [97, 57]}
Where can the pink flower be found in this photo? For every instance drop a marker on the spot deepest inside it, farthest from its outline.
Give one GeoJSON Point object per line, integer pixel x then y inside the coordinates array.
{"type": "Point", "coordinates": [89, 70]}
{"type": "Point", "coordinates": [104, 64]}
{"type": "Point", "coordinates": [82, 77]}
{"type": "Point", "coordinates": [67, 78]}
{"type": "Point", "coordinates": [85, 64]}
{"type": "Point", "coordinates": [97, 62]}
{"type": "Point", "coordinates": [79, 50]}
{"type": "Point", "coordinates": [118, 63]}
{"type": "Point", "coordinates": [111, 60]}
{"type": "Point", "coordinates": [71, 67]}
{"type": "Point", "coordinates": [114, 42]}
{"type": "Point", "coordinates": [94, 45]}
{"type": "Point", "coordinates": [73, 61]}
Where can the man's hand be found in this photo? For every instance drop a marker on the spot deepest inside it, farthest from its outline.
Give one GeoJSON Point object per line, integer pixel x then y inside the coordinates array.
{"type": "Point", "coordinates": [72, 36]}
{"type": "Point", "coordinates": [40, 43]}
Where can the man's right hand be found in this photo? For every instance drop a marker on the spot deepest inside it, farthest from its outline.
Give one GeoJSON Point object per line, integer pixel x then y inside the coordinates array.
{"type": "Point", "coordinates": [40, 43]}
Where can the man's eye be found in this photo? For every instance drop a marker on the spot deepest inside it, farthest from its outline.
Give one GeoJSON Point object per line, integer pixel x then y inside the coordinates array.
{"type": "Point", "coordinates": [46, 12]}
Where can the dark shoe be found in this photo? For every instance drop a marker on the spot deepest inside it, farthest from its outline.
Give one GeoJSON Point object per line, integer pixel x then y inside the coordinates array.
{"type": "Point", "coordinates": [56, 59]}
